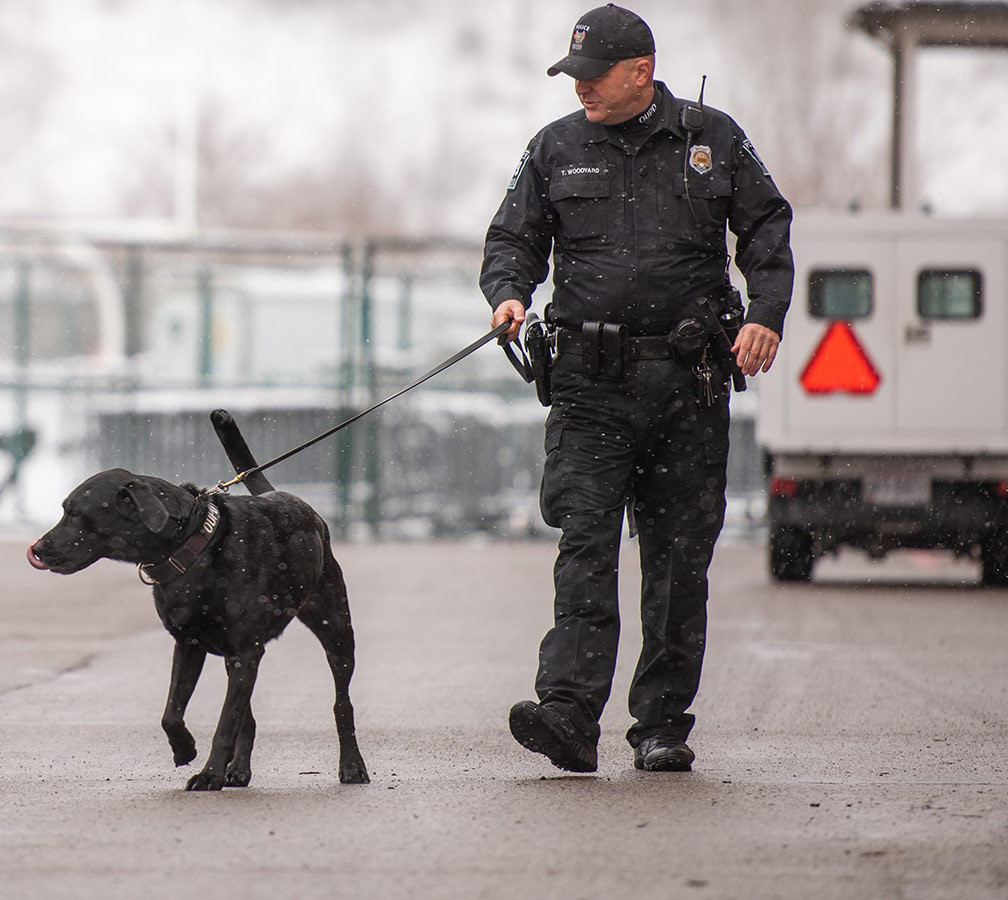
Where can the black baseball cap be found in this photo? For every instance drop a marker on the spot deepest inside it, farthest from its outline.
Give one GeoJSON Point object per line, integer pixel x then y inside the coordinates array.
{"type": "Point", "coordinates": [601, 38]}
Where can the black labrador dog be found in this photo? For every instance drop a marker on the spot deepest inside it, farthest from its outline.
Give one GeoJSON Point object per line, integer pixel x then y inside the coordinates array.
{"type": "Point", "coordinates": [229, 574]}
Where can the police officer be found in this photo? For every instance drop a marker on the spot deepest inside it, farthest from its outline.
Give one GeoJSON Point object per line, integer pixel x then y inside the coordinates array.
{"type": "Point", "coordinates": [632, 195]}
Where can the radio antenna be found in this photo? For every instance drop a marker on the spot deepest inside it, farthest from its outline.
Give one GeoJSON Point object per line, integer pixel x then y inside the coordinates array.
{"type": "Point", "coordinates": [692, 120]}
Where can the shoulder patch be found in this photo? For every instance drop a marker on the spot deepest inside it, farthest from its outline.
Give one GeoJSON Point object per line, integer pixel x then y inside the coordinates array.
{"type": "Point", "coordinates": [751, 150]}
{"type": "Point", "coordinates": [513, 183]}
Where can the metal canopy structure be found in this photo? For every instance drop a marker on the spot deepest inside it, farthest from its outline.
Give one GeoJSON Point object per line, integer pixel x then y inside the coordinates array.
{"type": "Point", "coordinates": [905, 27]}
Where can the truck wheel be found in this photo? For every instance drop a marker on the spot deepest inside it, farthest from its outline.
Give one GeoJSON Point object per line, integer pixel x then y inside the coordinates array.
{"type": "Point", "coordinates": [994, 560]}
{"type": "Point", "coordinates": [790, 555]}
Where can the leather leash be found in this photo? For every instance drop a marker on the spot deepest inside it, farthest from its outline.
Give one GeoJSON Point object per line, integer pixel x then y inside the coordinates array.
{"type": "Point", "coordinates": [462, 354]}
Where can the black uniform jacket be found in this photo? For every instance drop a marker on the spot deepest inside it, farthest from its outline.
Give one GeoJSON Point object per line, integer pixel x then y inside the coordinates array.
{"type": "Point", "coordinates": [626, 246]}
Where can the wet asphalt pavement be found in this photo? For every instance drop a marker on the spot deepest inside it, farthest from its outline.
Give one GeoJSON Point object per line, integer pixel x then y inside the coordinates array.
{"type": "Point", "coordinates": [852, 741]}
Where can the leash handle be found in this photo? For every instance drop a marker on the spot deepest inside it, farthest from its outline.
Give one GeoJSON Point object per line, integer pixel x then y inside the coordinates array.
{"type": "Point", "coordinates": [519, 361]}
{"type": "Point", "coordinates": [462, 354]}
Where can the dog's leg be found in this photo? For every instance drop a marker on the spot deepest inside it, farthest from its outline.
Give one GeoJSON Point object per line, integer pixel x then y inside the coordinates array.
{"type": "Point", "coordinates": [242, 671]}
{"type": "Point", "coordinates": [239, 770]}
{"type": "Point", "coordinates": [328, 618]}
{"type": "Point", "coordinates": [187, 664]}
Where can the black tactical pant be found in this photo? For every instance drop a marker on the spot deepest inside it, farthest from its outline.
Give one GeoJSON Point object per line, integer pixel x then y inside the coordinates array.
{"type": "Point", "coordinates": [645, 438]}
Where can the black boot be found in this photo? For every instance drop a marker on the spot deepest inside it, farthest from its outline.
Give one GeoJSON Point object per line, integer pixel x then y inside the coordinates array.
{"type": "Point", "coordinates": [544, 730]}
{"type": "Point", "coordinates": [663, 754]}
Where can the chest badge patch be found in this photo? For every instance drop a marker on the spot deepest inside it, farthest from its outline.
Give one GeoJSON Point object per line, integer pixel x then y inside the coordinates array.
{"type": "Point", "coordinates": [700, 159]}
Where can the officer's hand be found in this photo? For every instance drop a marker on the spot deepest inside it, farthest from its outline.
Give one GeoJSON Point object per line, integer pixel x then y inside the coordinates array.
{"type": "Point", "coordinates": [512, 311]}
{"type": "Point", "coordinates": [755, 348]}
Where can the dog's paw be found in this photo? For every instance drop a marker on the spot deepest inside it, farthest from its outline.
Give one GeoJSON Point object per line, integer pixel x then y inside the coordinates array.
{"type": "Point", "coordinates": [238, 777]}
{"type": "Point", "coordinates": [184, 751]}
{"type": "Point", "coordinates": [181, 741]}
{"type": "Point", "coordinates": [205, 781]}
{"type": "Point", "coordinates": [353, 772]}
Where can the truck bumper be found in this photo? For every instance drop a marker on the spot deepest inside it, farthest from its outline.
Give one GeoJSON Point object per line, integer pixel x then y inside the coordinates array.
{"type": "Point", "coordinates": [880, 504]}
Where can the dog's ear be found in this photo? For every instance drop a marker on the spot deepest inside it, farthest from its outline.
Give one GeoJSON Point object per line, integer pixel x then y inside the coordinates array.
{"type": "Point", "coordinates": [148, 505]}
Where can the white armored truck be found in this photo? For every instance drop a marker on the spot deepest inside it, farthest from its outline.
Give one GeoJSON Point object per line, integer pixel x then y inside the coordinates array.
{"type": "Point", "coordinates": [884, 420]}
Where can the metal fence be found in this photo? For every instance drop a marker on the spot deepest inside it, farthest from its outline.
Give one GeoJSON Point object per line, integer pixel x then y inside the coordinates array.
{"type": "Point", "coordinates": [114, 351]}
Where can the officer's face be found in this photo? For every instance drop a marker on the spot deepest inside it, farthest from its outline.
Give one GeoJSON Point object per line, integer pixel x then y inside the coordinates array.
{"type": "Point", "coordinates": [617, 95]}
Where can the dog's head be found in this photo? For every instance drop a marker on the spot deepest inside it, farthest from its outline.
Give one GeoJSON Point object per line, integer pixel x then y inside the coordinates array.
{"type": "Point", "coordinates": [114, 515]}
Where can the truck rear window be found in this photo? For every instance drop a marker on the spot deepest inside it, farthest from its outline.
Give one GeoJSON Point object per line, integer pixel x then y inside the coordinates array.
{"type": "Point", "coordinates": [949, 294]}
{"type": "Point", "coordinates": [840, 294]}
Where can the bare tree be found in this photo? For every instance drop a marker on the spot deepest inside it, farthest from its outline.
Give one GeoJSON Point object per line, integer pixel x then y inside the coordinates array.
{"type": "Point", "coordinates": [813, 94]}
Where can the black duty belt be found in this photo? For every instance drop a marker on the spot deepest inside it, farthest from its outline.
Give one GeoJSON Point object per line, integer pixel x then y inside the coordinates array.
{"type": "Point", "coordinates": [644, 347]}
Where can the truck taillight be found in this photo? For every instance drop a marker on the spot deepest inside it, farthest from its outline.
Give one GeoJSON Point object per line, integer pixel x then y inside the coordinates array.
{"type": "Point", "coordinates": [783, 487]}
{"type": "Point", "coordinates": [1002, 489]}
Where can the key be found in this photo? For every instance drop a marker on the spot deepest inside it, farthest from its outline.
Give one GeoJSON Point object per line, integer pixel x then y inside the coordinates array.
{"type": "Point", "coordinates": [704, 377]}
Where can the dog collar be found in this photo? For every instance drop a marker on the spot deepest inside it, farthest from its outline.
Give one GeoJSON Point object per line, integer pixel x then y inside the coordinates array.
{"type": "Point", "coordinates": [179, 562]}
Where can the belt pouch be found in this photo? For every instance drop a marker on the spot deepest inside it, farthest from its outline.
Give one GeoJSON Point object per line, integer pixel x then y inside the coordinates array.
{"type": "Point", "coordinates": [591, 348]}
{"type": "Point", "coordinates": [689, 340]}
{"type": "Point", "coordinates": [615, 350]}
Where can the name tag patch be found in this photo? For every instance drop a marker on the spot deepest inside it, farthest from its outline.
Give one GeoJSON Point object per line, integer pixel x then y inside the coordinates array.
{"type": "Point", "coordinates": [575, 171]}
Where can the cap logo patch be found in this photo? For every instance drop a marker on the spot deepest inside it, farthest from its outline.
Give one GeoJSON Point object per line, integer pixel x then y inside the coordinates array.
{"type": "Point", "coordinates": [580, 33]}
{"type": "Point", "coordinates": [701, 159]}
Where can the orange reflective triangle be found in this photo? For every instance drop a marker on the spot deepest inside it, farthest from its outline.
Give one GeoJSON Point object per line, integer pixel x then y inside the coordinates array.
{"type": "Point", "coordinates": [839, 364]}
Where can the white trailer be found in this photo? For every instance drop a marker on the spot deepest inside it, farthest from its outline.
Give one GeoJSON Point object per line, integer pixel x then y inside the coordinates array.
{"type": "Point", "coordinates": [885, 418]}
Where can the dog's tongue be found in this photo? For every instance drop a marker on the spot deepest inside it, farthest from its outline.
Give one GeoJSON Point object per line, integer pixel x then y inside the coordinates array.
{"type": "Point", "coordinates": [34, 560]}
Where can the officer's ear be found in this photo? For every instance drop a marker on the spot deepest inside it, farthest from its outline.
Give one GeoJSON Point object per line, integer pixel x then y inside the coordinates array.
{"type": "Point", "coordinates": [642, 71]}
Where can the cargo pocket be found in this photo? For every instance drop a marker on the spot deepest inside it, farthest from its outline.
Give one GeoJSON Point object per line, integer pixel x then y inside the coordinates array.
{"type": "Point", "coordinates": [583, 206]}
{"type": "Point", "coordinates": [706, 517]}
{"type": "Point", "coordinates": [715, 421]}
{"type": "Point", "coordinates": [551, 486]}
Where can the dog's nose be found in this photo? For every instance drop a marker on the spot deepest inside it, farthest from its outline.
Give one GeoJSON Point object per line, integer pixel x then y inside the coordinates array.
{"type": "Point", "coordinates": [34, 560]}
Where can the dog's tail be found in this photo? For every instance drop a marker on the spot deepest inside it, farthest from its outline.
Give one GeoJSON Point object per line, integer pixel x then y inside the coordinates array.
{"type": "Point", "coordinates": [238, 451]}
